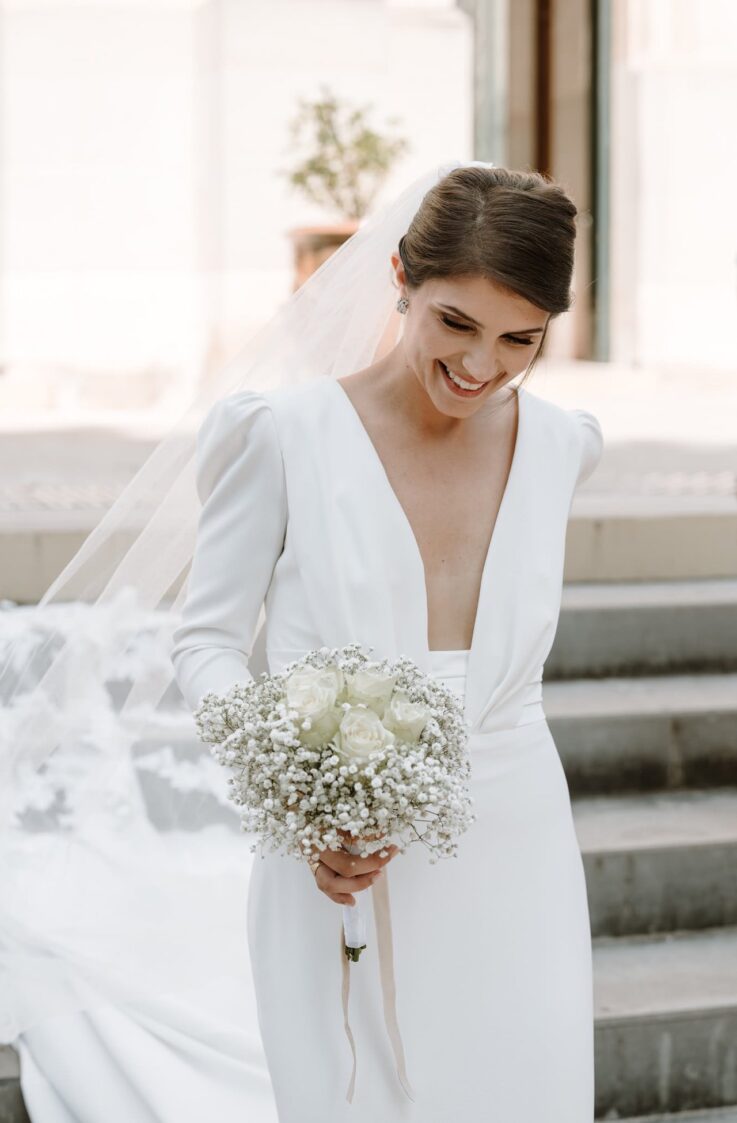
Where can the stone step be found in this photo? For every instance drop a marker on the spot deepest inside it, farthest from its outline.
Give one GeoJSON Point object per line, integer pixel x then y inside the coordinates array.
{"type": "Point", "coordinates": [713, 1115]}
{"type": "Point", "coordinates": [36, 546]}
{"type": "Point", "coordinates": [12, 1109]}
{"type": "Point", "coordinates": [666, 1023]}
{"type": "Point", "coordinates": [659, 861]}
{"type": "Point", "coordinates": [645, 627]}
{"type": "Point", "coordinates": [616, 537]}
{"type": "Point", "coordinates": [649, 733]}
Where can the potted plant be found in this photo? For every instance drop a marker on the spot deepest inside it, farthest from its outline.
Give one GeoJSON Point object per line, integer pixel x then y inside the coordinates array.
{"type": "Point", "coordinates": [343, 167]}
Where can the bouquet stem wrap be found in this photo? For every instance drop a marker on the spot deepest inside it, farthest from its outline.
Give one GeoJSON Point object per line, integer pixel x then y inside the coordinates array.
{"type": "Point", "coordinates": [355, 919]}
{"type": "Point", "coordinates": [382, 918]}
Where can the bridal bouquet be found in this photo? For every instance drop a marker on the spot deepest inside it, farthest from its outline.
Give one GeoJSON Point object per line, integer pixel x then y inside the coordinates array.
{"type": "Point", "coordinates": [338, 742]}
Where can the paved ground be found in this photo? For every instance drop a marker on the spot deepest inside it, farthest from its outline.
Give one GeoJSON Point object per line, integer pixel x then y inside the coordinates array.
{"type": "Point", "coordinates": [668, 436]}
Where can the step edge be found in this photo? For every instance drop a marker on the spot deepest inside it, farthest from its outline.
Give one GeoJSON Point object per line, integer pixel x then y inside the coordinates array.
{"type": "Point", "coordinates": [668, 847]}
{"type": "Point", "coordinates": [661, 1014]}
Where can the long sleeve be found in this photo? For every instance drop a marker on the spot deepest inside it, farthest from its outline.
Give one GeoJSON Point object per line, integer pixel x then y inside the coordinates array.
{"type": "Point", "coordinates": [592, 443]}
{"type": "Point", "coordinates": [240, 535]}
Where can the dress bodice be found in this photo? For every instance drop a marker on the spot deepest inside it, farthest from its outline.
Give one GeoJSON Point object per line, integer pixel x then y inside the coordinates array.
{"type": "Point", "coordinates": [302, 543]}
{"type": "Point", "coordinates": [450, 667]}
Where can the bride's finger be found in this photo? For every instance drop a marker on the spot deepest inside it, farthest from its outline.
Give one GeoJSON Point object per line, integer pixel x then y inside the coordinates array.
{"type": "Point", "coordinates": [348, 865]}
{"type": "Point", "coordinates": [332, 882]}
{"type": "Point", "coordinates": [342, 898]}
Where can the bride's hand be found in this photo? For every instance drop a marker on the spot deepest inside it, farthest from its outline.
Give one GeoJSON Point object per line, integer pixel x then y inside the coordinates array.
{"type": "Point", "coordinates": [341, 874]}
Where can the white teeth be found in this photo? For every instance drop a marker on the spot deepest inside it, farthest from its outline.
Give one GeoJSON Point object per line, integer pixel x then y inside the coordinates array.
{"type": "Point", "coordinates": [459, 381]}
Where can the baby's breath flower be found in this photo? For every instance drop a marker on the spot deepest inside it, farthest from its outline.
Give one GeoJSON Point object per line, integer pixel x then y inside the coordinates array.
{"type": "Point", "coordinates": [286, 775]}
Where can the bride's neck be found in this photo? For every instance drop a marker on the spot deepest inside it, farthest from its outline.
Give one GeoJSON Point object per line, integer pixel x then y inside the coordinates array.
{"type": "Point", "coordinates": [390, 386]}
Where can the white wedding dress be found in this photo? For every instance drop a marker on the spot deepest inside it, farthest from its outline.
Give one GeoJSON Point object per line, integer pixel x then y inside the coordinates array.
{"type": "Point", "coordinates": [492, 949]}
{"type": "Point", "coordinates": [492, 957]}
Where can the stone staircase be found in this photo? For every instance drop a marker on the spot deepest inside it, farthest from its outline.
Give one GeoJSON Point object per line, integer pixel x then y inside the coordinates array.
{"type": "Point", "coordinates": [641, 695]}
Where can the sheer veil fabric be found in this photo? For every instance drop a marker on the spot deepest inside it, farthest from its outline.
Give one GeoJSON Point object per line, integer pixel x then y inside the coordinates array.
{"type": "Point", "coordinates": [125, 873]}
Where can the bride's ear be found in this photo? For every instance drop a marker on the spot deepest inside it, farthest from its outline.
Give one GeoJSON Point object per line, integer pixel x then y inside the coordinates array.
{"type": "Point", "coordinates": [398, 277]}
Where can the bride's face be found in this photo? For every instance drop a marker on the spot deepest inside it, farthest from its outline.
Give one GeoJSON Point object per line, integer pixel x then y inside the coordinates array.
{"type": "Point", "coordinates": [479, 330]}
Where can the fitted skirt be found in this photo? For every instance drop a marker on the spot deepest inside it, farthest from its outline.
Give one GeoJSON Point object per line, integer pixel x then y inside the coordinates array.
{"type": "Point", "coordinates": [492, 963]}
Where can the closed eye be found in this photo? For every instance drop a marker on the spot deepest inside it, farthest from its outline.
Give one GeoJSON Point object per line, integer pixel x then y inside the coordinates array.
{"type": "Point", "coordinates": [456, 326]}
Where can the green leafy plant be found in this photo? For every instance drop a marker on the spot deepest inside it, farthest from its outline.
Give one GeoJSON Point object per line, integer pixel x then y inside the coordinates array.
{"type": "Point", "coordinates": [346, 161]}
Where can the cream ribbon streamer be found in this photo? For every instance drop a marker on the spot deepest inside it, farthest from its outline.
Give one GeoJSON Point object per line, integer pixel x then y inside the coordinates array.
{"type": "Point", "coordinates": [382, 918]}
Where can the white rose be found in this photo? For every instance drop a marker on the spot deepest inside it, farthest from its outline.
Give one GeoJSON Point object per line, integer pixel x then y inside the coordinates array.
{"type": "Point", "coordinates": [332, 673]}
{"type": "Point", "coordinates": [312, 694]}
{"type": "Point", "coordinates": [405, 718]}
{"type": "Point", "coordinates": [361, 733]}
{"type": "Point", "coordinates": [372, 687]}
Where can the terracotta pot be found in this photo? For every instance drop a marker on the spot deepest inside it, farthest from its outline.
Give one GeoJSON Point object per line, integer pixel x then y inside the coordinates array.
{"type": "Point", "coordinates": [315, 244]}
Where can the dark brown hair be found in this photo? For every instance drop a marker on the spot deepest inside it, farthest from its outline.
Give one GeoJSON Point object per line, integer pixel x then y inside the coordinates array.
{"type": "Point", "coordinates": [514, 228]}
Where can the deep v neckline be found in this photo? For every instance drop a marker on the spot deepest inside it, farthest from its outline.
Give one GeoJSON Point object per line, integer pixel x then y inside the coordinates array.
{"type": "Point", "coordinates": [412, 538]}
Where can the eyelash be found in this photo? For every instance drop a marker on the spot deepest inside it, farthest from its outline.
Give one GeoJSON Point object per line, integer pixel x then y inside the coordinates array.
{"type": "Point", "coordinates": [463, 327]}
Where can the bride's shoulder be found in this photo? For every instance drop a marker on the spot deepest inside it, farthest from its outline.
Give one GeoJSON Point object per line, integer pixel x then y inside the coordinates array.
{"type": "Point", "coordinates": [300, 394]}
{"type": "Point", "coordinates": [248, 406]}
{"type": "Point", "coordinates": [237, 434]}
{"type": "Point", "coordinates": [582, 426]}
{"type": "Point", "coordinates": [232, 415]}
{"type": "Point", "coordinates": [592, 441]}
{"type": "Point", "coordinates": [579, 421]}
{"type": "Point", "coordinates": [280, 417]}
{"type": "Point", "coordinates": [301, 405]}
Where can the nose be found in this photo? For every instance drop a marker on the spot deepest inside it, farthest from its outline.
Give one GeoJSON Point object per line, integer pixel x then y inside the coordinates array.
{"type": "Point", "coordinates": [479, 367]}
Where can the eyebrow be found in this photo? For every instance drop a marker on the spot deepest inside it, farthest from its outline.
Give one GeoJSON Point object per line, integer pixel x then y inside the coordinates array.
{"type": "Point", "coordinates": [465, 316]}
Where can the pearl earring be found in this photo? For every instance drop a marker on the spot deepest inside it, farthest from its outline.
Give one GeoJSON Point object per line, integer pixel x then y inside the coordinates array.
{"type": "Point", "coordinates": [402, 304]}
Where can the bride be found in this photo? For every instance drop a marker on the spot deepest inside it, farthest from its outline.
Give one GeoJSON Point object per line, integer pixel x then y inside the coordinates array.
{"type": "Point", "coordinates": [417, 505]}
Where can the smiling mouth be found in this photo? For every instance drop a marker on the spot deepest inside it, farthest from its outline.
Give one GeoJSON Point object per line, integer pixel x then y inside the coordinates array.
{"type": "Point", "coordinates": [463, 391]}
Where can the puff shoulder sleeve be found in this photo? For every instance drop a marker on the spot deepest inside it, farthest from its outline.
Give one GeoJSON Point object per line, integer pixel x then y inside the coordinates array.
{"type": "Point", "coordinates": [240, 481]}
{"type": "Point", "coordinates": [592, 443]}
